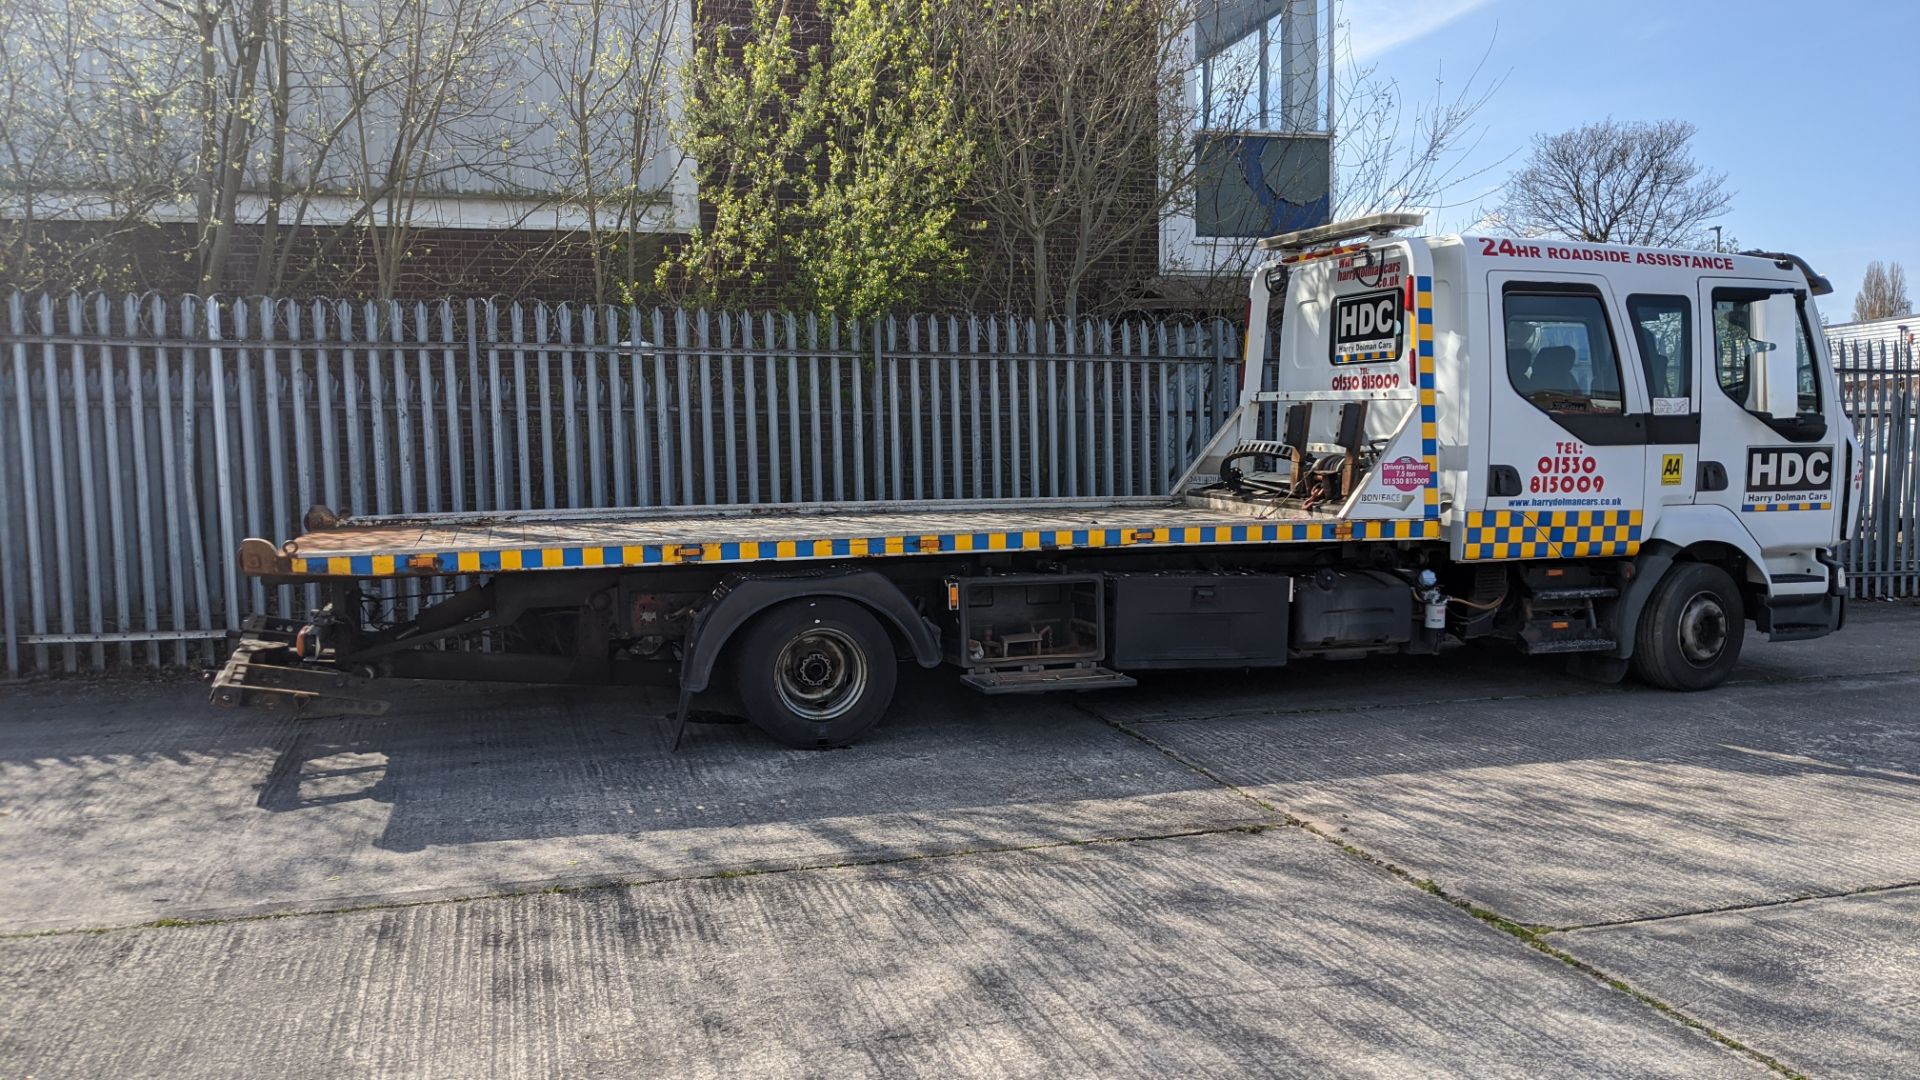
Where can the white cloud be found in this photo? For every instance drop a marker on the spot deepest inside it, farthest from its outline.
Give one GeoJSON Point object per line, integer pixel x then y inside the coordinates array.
{"type": "Point", "coordinates": [1374, 27]}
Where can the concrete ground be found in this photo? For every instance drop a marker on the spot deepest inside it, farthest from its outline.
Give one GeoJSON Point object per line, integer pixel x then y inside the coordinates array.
{"type": "Point", "coordinates": [1458, 866]}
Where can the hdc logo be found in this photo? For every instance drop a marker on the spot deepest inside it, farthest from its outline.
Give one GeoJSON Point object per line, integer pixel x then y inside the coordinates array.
{"type": "Point", "coordinates": [1372, 319]}
{"type": "Point", "coordinates": [1369, 319]}
{"type": "Point", "coordinates": [1789, 468]}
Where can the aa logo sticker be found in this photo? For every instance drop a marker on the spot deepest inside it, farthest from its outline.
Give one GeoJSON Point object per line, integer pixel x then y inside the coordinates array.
{"type": "Point", "coordinates": [1670, 469]}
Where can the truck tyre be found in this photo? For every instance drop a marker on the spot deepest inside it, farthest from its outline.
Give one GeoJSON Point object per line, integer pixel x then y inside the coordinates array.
{"type": "Point", "coordinates": [816, 674]}
{"type": "Point", "coordinates": [1690, 634]}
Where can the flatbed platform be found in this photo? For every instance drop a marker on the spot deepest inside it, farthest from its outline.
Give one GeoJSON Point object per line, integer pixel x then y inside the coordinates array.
{"type": "Point", "coordinates": [470, 544]}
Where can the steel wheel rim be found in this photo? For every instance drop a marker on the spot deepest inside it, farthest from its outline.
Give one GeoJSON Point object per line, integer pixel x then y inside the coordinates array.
{"type": "Point", "coordinates": [821, 674]}
{"type": "Point", "coordinates": [1703, 628]}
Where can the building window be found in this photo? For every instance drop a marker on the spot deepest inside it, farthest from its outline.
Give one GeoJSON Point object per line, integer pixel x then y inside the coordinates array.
{"type": "Point", "coordinates": [1262, 155]}
{"type": "Point", "coordinates": [1259, 66]}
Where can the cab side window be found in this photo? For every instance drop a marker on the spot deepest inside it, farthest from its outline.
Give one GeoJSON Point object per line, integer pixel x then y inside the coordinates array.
{"type": "Point", "coordinates": [1736, 351]}
{"type": "Point", "coordinates": [1663, 331]}
{"type": "Point", "coordinates": [1560, 353]}
{"type": "Point", "coordinates": [1805, 379]}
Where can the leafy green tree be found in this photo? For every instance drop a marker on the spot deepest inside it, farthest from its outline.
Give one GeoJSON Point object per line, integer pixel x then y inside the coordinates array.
{"type": "Point", "coordinates": [881, 191]}
{"type": "Point", "coordinates": [743, 129]}
{"type": "Point", "coordinates": [842, 168]}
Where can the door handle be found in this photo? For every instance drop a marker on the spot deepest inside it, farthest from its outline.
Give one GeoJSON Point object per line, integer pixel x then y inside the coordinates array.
{"type": "Point", "coordinates": [1503, 480]}
{"type": "Point", "coordinates": [1713, 476]}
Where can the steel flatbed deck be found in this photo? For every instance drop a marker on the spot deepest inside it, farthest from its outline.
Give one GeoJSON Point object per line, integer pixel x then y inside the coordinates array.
{"type": "Point", "coordinates": [566, 540]}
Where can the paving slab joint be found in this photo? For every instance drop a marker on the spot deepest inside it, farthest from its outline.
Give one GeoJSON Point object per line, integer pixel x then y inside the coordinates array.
{"type": "Point", "coordinates": [1532, 936]}
{"type": "Point", "coordinates": [1762, 905]}
{"type": "Point", "coordinates": [1123, 728]}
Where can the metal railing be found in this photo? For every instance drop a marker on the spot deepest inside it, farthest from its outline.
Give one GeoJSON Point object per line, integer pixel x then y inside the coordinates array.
{"type": "Point", "coordinates": [1880, 388]}
{"type": "Point", "coordinates": [142, 437]}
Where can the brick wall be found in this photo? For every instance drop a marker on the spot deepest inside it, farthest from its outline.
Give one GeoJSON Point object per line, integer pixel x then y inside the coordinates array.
{"type": "Point", "coordinates": [520, 264]}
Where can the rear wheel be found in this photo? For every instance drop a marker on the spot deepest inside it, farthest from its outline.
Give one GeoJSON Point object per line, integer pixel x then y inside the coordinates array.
{"type": "Point", "coordinates": [816, 674]}
{"type": "Point", "coordinates": [1690, 634]}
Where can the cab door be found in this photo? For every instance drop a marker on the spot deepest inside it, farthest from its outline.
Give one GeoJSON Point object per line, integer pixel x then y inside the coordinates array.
{"type": "Point", "coordinates": [1770, 454]}
{"type": "Point", "coordinates": [1664, 331]}
{"type": "Point", "coordinates": [1567, 424]}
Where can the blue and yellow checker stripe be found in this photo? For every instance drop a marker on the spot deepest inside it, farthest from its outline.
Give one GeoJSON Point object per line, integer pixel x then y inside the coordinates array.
{"type": "Point", "coordinates": [1373, 357]}
{"type": "Point", "coordinates": [1497, 535]}
{"type": "Point", "coordinates": [1758, 507]}
{"type": "Point", "coordinates": [1429, 413]}
{"type": "Point", "coordinates": [1393, 529]}
{"type": "Point", "coordinates": [490, 561]}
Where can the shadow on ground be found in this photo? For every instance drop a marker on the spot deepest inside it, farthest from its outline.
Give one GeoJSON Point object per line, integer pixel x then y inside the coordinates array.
{"type": "Point", "coordinates": [1502, 780]}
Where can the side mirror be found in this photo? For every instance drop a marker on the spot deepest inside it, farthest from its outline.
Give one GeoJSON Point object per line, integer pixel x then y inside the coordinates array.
{"type": "Point", "coordinates": [1776, 332]}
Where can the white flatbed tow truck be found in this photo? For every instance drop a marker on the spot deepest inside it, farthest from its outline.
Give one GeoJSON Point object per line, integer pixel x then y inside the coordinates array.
{"type": "Point", "coordinates": [1623, 455]}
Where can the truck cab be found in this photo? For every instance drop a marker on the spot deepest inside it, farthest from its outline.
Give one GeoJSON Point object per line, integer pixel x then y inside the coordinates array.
{"type": "Point", "coordinates": [1611, 411]}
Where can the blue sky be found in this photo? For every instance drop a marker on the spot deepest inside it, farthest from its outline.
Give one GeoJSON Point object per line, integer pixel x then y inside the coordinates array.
{"type": "Point", "coordinates": [1813, 112]}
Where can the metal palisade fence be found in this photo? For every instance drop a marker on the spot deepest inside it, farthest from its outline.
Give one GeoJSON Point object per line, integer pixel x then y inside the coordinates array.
{"type": "Point", "coordinates": [141, 437]}
{"type": "Point", "coordinates": [1880, 386]}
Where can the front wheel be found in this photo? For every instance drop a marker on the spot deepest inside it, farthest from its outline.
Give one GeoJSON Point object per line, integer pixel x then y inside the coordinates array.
{"type": "Point", "coordinates": [816, 674]}
{"type": "Point", "coordinates": [1690, 634]}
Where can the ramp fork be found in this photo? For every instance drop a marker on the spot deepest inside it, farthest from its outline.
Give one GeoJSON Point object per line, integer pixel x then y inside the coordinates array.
{"type": "Point", "coordinates": [265, 671]}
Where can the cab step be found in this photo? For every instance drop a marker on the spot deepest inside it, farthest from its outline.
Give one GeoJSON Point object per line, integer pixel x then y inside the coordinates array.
{"type": "Point", "coordinates": [1550, 646]}
{"type": "Point", "coordinates": [1042, 679]}
{"type": "Point", "coordinates": [1573, 594]}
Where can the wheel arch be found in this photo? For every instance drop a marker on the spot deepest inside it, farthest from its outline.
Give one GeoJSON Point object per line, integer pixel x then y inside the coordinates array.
{"type": "Point", "coordinates": [1712, 534]}
{"type": "Point", "coordinates": [739, 600]}
{"type": "Point", "coordinates": [1658, 556]}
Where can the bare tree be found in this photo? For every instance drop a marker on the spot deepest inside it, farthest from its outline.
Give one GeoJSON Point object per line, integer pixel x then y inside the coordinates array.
{"type": "Point", "coordinates": [1883, 293]}
{"type": "Point", "coordinates": [326, 129]}
{"type": "Point", "coordinates": [1620, 182]}
{"type": "Point", "coordinates": [230, 39]}
{"type": "Point", "coordinates": [1085, 133]}
{"type": "Point", "coordinates": [431, 113]}
{"type": "Point", "coordinates": [1401, 153]}
{"type": "Point", "coordinates": [91, 130]}
{"type": "Point", "coordinates": [605, 65]}
{"type": "Point", "coordinates": [1091, 133]}
{"type": "Point", "coordinates": [148, 111]}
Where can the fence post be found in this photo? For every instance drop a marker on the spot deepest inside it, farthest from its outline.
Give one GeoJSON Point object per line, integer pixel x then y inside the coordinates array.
{"type": "Point", "coordinates": [569, 404]}
{"type": "Point", "coordinates": [142, 476]}
{"type": "Point", "coordinates": [912, 358]}
{"type": "Point", "coordinates": [813, 406]}
{"type": "Point", "coordinates": [116, 514]}
{"type": "Point", "coordinates": [249, 447]}
{"type": "Point", "coordinates": [30, 510]}
{"type": "Point", "coordinates": [173, 478]}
